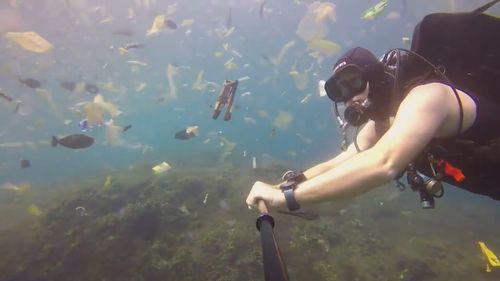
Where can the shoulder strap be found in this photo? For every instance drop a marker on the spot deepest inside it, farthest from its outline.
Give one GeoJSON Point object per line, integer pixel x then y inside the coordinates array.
{"type": "Point", "coordinates": [485, 7]}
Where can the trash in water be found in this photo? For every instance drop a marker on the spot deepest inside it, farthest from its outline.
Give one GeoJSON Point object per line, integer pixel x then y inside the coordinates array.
{"type": "Point", "coordinates": [161, 168]}
{"type": "Point", "coordinates": [30, 41]}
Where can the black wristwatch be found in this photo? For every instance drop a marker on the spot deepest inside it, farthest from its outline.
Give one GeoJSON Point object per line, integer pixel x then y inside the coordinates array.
{"type": "Point", "coordinates": [288, 190]}
{"type": "Point", "coordinates": [297, 177]}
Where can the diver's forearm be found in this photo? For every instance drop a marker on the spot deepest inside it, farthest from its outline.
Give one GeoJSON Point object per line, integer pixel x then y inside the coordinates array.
{"type": "Point", "coordinates": [317, 170]}
{"type": "Point", "coordinates": [328, 165]}
{"type": "Point", "coordinates": [356, 175]}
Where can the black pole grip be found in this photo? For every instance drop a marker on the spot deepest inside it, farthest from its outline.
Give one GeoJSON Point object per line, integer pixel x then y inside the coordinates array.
{"type": "Point", "coordinates": [274, 267]}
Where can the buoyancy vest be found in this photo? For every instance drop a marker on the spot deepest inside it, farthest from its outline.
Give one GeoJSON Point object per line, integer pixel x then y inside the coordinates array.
{"type": "Point", "coordinates": [466, 47]}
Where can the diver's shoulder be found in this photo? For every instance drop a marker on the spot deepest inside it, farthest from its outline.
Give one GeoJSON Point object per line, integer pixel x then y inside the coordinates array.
{"type": "Point", "coordinates": [430, 91]}
{"type": "Point", "coordinates": [430, 87]}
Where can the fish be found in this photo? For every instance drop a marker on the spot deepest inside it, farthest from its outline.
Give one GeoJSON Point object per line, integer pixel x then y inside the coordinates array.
{"type": "Point", "coordinates": [261, 10]}
{"type": "Point", "coordinates": [25, 163]}
{"type": "Point", "coordinates": [30, 82]}
{"type": "Point", "coordinates": [266, 59]}
{"type": "Point", "coordinates": [68, 85]}
{"type": "Point", "coordinates": [91, 88]}
{"type": "Point", "coordinates": [126, 128]}
{"type": "Point", "coordinates": [6, 97]}
{"type": "Point", "coordinates": [188, 133]}
{"type": "Point", "coordinates": [229, 19]}
{"type": "Point", "coordinates": [124, 31]}
{"type": "Point", "coordinates": [75, 141]}
{"type": "Point", "coordinates": [18, 105]}
{"type": "Point", "coordinates": [374, 11]}
{"type": "Point", "coordinates": [171, 24]}
{"type": "Point", "coordinates": [129, 46]}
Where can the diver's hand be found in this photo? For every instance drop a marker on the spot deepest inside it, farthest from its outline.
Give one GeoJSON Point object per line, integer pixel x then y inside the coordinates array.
{"type": "Point", "coordinates": [267, 192]}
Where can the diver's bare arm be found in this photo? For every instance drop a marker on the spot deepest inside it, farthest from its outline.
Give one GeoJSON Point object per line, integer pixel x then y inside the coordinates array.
{"type": "Point", "coordinates": [418, 118]}
{"type": "Point", "coordinates": [366, 138]}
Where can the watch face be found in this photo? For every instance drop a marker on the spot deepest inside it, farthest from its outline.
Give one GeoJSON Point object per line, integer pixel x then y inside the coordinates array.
{"type": "Point", "coordinates": [289, 175]}
{"type": "Point", "coordinates": [288, 185]}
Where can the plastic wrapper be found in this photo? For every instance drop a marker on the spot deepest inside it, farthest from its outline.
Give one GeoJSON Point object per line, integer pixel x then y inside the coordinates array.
{"type": "Point", "coordinates": [158, 24]}
{"type": "Point", "coordinates": [283, 120]}
{"type": "Point", "coordinates": [29, 41]}
{"type": "Point", "coordinates": [324, 47]}
{"type": "Point", "coordinates": [314, 24]}
{"type": "Point", "coordinates": [113, 134]}
{"type": "Point", "coordinates": [161, 168]}
{"type": "Point", "coordinates": [172, 71]}
{"type": "Point", "coordinates": [199, 84]}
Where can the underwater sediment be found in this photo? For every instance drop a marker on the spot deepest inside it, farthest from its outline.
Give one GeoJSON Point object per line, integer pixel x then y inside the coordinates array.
{"type": "Point", "coordinates": [192, 224]}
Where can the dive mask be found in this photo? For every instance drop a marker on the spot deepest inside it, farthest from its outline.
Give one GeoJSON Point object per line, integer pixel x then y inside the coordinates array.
{"type": "Point", "coordinates": [347, 81]}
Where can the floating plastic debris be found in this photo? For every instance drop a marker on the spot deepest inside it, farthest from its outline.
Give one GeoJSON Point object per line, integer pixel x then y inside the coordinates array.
{"type": "Point", "coordinates": [161, 168]}
{"type": "Point", "coordinates": [226, 97]}
{"type": "Point", "coordinates": [254, 162]}
{"type": "Point", "coordinates": [314, 23]}
{"type": "Point", "coordinates": [283, 120]}
{"type": "Point", "coordinates": [141, 86]}
{"type": "Point", "coordinates": [306, 98]}
{"type": "Point", "coordinates": [106, 20]}
{"type": "Point", "coordinates": [107, 183]}
{"type": "Point", "coordinates": [188, 133]}
{"type": "Point", "coordinates": [249, 120]}
{"type": "Point", "coordinates": [491, 258]}
{"type": "Point", "coordinates": [34, 210]}
{"type": "Point", "coordinates": [324, 47]}
{"type": "Point", "coordinates": [137, 62]}
{"type": "Point", "coordinates": [243, 78]}
{"type": "Point", "coordinates": [187, 22]}
{"type": "Point", "coordinates": [109, 86]}
{"type": "Point", "coordinates": [19, 189]}
{"type": "Point", "coordinates": [374, 11]}
{"type": "Point", "coordinates": [107, 106]}
{"type": "Point", "coordinates": [321, 88]}
{"type": "Point", "coordinates": [81, 211]}
{"type": "Point", "coordinates": [230, 64]}
{"type": "Point", "coordinates": [199, 84]}
{"type": "Point", "coordinates": [281, 55]}
{"type": "Point", "coordinates": [301, 79]}
{"type": "Point", "coordinates": [30, 41]}
{"type": "Point", "coordinates": [158, 24]}
{"type": "Point", "coordinates": [229, 32]}
{"type": "Point", "coordinates": [113, 134]}
{"type": "Point", "coordinates": [172, 71]}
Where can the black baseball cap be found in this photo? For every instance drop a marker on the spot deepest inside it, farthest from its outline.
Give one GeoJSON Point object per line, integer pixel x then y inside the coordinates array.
{"type": "Point", "coordinates": [358, 64]}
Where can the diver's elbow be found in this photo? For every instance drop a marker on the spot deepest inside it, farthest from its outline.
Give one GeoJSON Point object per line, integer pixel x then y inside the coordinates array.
{"type": "Point", "coordinates": [392, 170]}
{"type": "Point", "coordinates": [393, 173]}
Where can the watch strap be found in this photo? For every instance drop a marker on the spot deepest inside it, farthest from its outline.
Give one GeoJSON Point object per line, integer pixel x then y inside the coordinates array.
{"type": "Point", "coordinates": [291, 203]}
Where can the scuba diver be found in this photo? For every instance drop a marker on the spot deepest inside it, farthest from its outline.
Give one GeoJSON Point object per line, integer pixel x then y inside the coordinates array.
{"type": "Point", "coordinates": [432, 112]}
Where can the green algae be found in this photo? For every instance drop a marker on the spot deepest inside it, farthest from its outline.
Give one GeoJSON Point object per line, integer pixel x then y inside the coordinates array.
{"type": "Point", "coordinates": [144, 227]}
